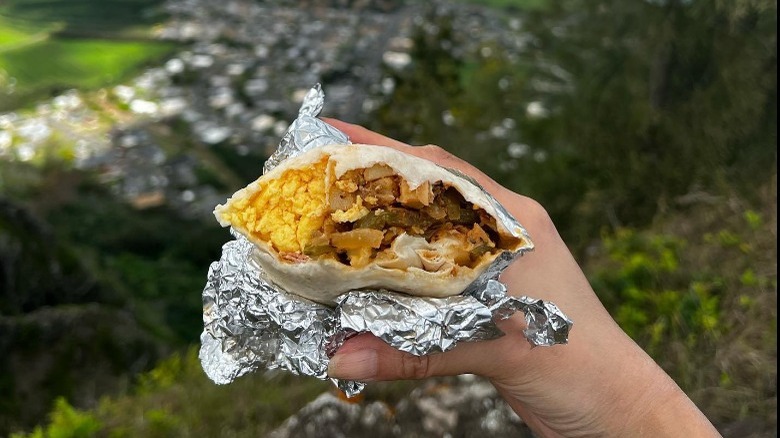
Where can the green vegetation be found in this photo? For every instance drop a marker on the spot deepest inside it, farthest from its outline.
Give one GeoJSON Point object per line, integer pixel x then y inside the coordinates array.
{"type": "Point", "coordinates": [699, 287]}
{"type": "Point", "coordinates": [14, 35]}
{"type": "Point", "coordinates": [606, 119]}
{"type": "Point", "coordinates": [82, 15]}
{"type": "Point", "coordinates": [159, 272]}
{"type": "Point", "coordinates": [49, 46]}
{"type": "Point", "coordinates": [80, 258]}
{"type": "Point", "coordinates": [66, 422]}
{"type": "Point", "coordinates": [673, 98]}
{"type": "Point", "coordinates": [647, 129]}
{"type": "Point", "coordinates": [51, 65]}
{"type": "Point", "coordinates": [177, 399]}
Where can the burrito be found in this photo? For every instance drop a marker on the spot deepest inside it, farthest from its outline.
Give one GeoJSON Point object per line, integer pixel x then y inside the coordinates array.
{"type": "Point", "coordinates": [347, 217]}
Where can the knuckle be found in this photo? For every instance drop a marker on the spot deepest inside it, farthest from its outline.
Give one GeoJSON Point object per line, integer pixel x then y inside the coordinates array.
{"type": "Point", "coordinates": [531, 209]}
{"type": "Point", "coordinates": [539, 215]}
{"type": "Point", "coordinates": [414, 367]}
{"type": "Point", "coordinates": [437, 151]}
{"type": "Point", "coordinates": [537, 209]}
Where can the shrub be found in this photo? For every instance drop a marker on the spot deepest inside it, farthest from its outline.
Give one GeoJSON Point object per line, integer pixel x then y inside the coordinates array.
{"type": "Point", "coordinates": [65, 422]}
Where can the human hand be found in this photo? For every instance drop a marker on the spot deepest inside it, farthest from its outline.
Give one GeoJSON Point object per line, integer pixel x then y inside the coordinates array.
{"type": "Point", "coordinates": [600, 384]}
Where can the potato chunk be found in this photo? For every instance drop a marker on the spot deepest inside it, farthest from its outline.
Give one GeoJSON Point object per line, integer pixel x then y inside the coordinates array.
{"type": "Point", "coordinates": [377, 171]}
{"type": "Point", "coordinates": [356, 239]}
{"type": "Point", "coordinates": [420, 197]}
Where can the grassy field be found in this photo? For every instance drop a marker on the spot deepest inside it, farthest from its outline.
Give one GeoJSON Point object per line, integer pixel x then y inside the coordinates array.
{"type": "Point", "coordinates": [50, 65]}
{"type": "Point", "coordinates": [13, 35]}
{"type": "Point", "coordinates": [49, 46]}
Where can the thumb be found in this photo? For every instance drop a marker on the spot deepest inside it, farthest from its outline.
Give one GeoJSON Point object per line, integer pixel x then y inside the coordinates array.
{"type": "Point", "coordinates": [368, 358]}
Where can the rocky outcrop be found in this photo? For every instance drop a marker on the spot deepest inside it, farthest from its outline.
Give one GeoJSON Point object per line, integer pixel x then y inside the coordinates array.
{"type": "Point", "coordinates": [465, 406]}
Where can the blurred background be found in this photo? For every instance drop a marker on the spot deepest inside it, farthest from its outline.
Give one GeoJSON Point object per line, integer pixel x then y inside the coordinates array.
{"type": "Point", "coordinates": [646, 128]}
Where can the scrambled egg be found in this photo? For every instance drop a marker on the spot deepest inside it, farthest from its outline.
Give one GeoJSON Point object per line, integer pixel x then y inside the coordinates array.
{"type": "Point", "coordinates": [287, 210]}
{"type": "Point", "coordinates": [354, 213]}
{"type": "Point", "coordinates": [295, 212]}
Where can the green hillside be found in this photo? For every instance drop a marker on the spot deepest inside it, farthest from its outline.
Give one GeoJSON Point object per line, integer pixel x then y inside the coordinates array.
{"type": "Point", "coordinates": [50, 46]}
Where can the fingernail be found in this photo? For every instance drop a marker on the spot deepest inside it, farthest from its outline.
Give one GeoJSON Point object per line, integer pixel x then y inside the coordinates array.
{"type": "Point", "coordinates": [355, 365]}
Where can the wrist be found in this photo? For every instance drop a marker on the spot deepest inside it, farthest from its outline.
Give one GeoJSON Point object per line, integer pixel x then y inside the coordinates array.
{"type": "Point", "coordinates": [663, 409]}
{"type": "Point", "coordinates": [643, 401]}
{"type": "Point", "coordinates": [600, 384]}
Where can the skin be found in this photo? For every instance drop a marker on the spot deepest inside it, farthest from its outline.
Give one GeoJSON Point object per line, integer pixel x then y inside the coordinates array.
{"type": "Point", "coordinates": [599, 384]}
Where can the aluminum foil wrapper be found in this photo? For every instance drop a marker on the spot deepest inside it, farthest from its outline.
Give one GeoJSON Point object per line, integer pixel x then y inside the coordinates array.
{"type": "Point", "coordinates": [250, 324]}
{"type": "Point", "coordinates": [307, 131]}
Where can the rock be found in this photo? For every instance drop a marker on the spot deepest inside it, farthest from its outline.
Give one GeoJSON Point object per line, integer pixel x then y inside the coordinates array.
{"type": "Point", "coordinates": [465, 406]}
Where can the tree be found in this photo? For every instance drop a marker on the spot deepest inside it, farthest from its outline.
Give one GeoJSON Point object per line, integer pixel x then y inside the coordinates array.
{"type": "Point", "coordinates": [667, 98]}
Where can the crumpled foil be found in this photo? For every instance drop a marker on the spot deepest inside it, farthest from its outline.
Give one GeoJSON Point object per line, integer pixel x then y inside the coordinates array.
{"type": "Point", "coordinates": [250, 324]}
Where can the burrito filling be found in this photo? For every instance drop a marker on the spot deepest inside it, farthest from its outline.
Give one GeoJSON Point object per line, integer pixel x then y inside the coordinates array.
{"type": "Point", "coordinates": [368, 215]}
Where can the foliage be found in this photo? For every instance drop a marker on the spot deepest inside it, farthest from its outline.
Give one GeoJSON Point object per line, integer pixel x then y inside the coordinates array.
{"type": "Point", "coordinates": [65, 422]}
{"type": "Point", "coordinates": [699, 293]}
{"type": "Point", "coordinates": [476, 106]}
{"type": "Point", "coordinates": [177, 399]}
{"type": "Point", "coordinates": [666, 98]}
{"type": "Point", "coordinates": [158, 272]}
{"type": "Point", "coordinates": [37, 270]}
{"type": "Point", "coordinates": [652, 299]}
{"type": "Point", "coordinates": [74, 243]}
{"type": "Point", "coordinates": [613, 112]}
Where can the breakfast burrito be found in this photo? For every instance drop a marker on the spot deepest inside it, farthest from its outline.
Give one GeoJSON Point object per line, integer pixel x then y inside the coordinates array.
{"type": "Point", "coordinates": [345, 217]}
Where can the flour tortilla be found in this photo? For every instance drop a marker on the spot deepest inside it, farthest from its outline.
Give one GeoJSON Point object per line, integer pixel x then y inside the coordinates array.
{"type": "Point", "coordinates": [325, 280]}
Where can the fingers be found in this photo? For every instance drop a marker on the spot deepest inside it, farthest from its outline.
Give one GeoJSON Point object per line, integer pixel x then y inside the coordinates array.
{"type": "Point", "coordinates": [368, 358]}
{"type": "Point", "coordinates": [359, 134]}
